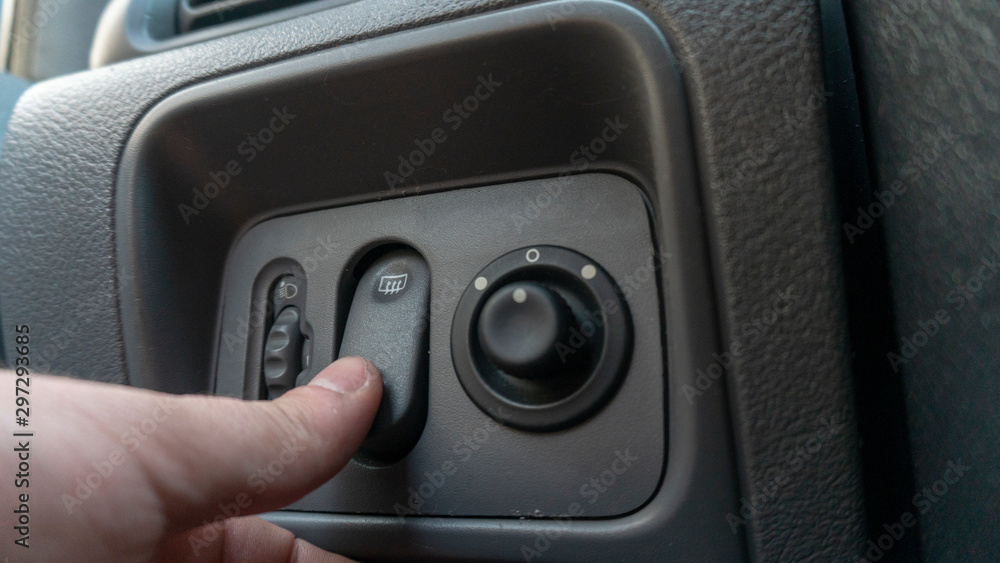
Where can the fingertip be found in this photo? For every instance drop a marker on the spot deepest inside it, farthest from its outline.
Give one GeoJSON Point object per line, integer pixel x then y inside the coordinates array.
{"type": "Point", "coordinates": [305, 552]}
{"type": "Point", "coordinates": [347, 375]}
{"type": "Point", "coordinates": [274, 451]}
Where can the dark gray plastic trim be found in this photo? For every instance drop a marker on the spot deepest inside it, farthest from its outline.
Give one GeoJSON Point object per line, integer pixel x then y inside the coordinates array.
{"type": "Point", "coordinates": [686, 518]}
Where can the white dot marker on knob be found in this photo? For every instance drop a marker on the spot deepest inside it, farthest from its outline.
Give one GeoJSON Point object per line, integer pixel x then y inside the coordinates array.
{"type": "Point", "coordinates": [520, 295]}
{"type": "Point", "coordinates": [481, 283]}
{"type": "Point", "coordinates": [588, 272]}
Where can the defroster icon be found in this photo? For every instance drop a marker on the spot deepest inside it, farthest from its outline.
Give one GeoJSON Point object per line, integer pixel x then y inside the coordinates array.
{"type": "Point", "coordinates": [391, 285]}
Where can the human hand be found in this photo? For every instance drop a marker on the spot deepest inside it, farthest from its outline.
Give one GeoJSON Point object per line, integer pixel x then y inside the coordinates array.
{"type": "Point", "coordinates": [124, 474]}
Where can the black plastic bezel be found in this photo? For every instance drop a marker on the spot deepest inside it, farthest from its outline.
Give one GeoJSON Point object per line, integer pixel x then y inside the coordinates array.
{"type": "Point", "coordinates": [597, 387]}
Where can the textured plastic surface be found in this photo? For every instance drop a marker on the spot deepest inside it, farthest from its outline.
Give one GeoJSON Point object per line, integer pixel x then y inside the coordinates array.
{"type": "Point", "coordinates": [751, 70]}
{"type": "Point", "coordinates": [135, 28]}
{"type": "Point", "coordinates": [388, 323]}
{"type": "Point", "coordinates": [495, 470]}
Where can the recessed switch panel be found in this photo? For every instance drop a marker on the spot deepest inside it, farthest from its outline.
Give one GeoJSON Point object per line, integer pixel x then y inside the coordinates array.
{"type": "Point", "coordinates": [519, 351]}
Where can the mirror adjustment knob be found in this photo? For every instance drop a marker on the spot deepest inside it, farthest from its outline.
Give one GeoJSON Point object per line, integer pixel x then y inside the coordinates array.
{"type": "Point", "coordinates": [541, 338]}
{"type": "Point", "coordinates": [519, 329]}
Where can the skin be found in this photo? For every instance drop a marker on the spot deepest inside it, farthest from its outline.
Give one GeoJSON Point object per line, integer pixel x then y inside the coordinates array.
{"type": "Point", "coordinates": [196, 459]}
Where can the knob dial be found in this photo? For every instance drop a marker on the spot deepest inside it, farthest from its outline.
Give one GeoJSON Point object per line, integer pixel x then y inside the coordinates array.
{"type": "Point", "coordinates": [541, 338]}
{"type": "Point", "coordinates": [521, 325]}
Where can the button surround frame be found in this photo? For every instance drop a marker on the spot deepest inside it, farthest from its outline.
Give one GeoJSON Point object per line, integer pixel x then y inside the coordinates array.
{"type": "Point", "coordinates": [484, 383]}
